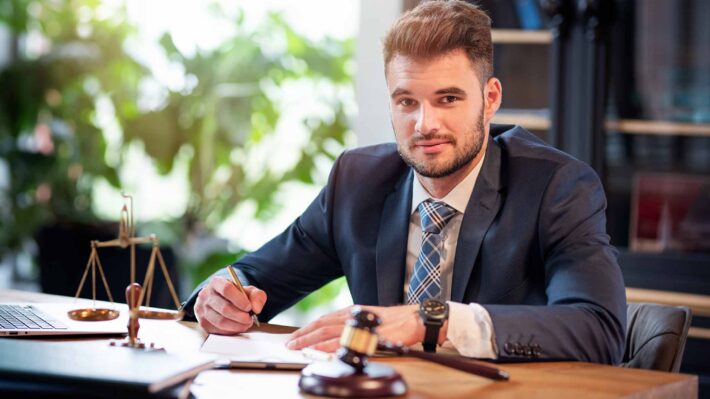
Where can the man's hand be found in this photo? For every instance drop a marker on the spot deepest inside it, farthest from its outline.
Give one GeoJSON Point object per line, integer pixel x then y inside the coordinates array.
{"type": "Point", "coordinates": [221, 308]}
{"type": "Point", "coordinates": [400, 324]}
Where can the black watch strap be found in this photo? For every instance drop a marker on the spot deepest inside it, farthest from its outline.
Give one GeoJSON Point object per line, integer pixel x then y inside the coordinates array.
{"type": "Point", "coordinates": [431, 335]}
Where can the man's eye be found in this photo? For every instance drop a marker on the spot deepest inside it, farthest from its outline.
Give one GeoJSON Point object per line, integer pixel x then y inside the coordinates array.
{"type": "Point", "coordinates": [449, 99]}
{"type": "Point", "coordinates": [407, 102]}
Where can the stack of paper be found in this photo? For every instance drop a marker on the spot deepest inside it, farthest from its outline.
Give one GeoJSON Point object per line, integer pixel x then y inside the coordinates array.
{"type": "Point", "coordinates": [260, 350]}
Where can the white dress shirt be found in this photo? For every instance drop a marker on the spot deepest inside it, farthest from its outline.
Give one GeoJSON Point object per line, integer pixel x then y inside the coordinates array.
{"type": "Point", "coordinates": [470, 329]}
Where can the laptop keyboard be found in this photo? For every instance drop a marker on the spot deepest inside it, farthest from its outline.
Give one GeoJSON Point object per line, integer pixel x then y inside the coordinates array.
{"type": "Point", "coordinates": [20, 317]}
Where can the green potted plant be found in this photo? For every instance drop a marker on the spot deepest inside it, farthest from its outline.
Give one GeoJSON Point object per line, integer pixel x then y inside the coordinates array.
{"type": "Point", "coordinates": [50, 139]}
{"type": "Point", "coordinates": [230, 108]}
{"type": "Point", "coordinates": [55, 149]}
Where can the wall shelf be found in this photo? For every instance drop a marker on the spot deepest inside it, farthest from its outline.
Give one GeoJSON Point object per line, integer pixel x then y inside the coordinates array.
{"type": "Point", "coordinates": [699, 304]}
{"type": "Point", "coordinates": [661, 128]}
{"type": "Point", "coordinates": [519, 36]}
{"type": "Point", "coordinates": [538, 120]}
{"type": "Point", "coordinates": [532, 120]}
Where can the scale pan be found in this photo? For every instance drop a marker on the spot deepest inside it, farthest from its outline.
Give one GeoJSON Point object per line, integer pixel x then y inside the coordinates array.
{"type": "Point", "coordinates": [160, 314]}
{"type": "Point", "coordinates": [93, 314]}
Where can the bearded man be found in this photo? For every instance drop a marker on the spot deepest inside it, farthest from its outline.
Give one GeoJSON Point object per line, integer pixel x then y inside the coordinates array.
{"type": "Point", "coordinates": [466, 234]}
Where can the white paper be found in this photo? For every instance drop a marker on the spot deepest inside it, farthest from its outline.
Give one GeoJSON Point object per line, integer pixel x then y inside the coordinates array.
{"type": "Point", "coordinates": [257, 347]}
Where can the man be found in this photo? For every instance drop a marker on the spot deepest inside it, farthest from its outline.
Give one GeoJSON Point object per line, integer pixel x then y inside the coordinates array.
{"type": "Point", "coordinates": [507, 230]}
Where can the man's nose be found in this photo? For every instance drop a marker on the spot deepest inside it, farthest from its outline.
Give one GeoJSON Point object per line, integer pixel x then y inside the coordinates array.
{"type": "Point", "coordinates": [427, 120]}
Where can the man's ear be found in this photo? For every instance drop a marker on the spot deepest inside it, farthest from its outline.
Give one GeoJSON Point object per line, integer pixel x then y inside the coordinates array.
{"type": "Point", "coordinates": [492, 97]}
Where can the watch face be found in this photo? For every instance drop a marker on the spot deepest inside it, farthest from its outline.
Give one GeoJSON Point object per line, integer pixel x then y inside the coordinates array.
{"type": "Point", "coordinates": [432, 307]}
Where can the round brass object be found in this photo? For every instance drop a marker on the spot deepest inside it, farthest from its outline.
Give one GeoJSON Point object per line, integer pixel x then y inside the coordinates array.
{"type": "Point", "coordinates": [93, 314]}
{"type": "Point", "coordinates": [160, 314]}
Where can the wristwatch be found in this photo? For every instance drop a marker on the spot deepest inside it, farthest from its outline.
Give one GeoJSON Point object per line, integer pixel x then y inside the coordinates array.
{"type": "Point", "coordinates": [433, 314]}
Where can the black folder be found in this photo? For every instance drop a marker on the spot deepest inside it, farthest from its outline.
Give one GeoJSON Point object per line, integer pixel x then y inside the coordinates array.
{"type": "Point", "coordinates": [92, 368]}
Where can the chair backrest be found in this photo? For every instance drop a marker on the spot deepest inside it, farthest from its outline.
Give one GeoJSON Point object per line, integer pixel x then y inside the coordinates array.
{"type": "Point", "coordinates": [656, 335]}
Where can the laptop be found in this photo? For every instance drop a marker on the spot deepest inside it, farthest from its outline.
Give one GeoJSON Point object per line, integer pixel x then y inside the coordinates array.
{"type": "Point", "coordinates": [44, 319]}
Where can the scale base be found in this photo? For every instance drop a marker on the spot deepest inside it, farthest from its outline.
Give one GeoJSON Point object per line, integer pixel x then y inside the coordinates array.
{"type": "Point", "coordinates": [135, 344]}
{"type": "Point", "coordinates": [337, 379]}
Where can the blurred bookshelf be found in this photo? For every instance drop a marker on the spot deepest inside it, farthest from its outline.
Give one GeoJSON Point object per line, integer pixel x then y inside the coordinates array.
{"type": "Point", "coordinates": [638, 72]}
{"type": "Point", "coordinates": [540, 120]}
{"type": "Point", "coordinates": [654, 153]}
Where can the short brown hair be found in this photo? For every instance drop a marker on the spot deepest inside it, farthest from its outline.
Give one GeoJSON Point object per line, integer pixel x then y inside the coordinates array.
{"type": "Point", "coordinates": [434, 28]}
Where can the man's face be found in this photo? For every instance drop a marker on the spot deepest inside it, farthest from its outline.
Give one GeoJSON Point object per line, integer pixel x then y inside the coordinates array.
{"type": "Point", "coordinates": [438, 112]}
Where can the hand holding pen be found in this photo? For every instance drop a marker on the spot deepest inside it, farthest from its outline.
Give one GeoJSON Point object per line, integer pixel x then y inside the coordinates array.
{"type": "Point", "coordinates": [235, 280]}
{"type": "Point", "coordinates": [222, 307]}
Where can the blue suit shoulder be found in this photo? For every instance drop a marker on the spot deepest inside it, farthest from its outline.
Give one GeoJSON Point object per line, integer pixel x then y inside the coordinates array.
{"type": "Point", "coordinates": [522, 148]}
{"type": "Point", "coordinates": [386, 152]}
{"type": "Point", "coordinates": [376, 163]}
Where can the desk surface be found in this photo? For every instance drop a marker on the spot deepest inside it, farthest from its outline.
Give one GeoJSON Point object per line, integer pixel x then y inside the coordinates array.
{"type": "Point", "coordinates": [425, 380]}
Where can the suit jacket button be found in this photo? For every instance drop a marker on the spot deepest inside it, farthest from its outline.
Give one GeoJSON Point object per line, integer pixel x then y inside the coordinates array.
{"type": "Point", "coordinates": [528, 351]}
{"type": "Point", "coordinates": [509, 348]}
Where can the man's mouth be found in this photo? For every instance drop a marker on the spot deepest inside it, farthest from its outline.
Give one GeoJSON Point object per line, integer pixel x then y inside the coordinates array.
{"type": "Point", "coordinates": [432, 146]}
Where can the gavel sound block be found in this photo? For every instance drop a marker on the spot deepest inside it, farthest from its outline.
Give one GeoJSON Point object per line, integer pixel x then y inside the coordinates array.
{"type": "Point", "coordinates": [351, 375]}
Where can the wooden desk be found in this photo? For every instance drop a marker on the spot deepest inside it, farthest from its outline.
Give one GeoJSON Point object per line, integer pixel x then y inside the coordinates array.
{"type": "Point", "coordinates": [425, 380]}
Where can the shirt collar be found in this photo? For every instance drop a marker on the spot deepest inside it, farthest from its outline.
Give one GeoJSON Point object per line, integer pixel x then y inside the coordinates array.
{"type": "Point", "coordinates": [457, 198]}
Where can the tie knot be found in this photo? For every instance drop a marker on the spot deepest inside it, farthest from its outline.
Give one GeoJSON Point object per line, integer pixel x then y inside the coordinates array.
{"type": "Point", "coordinates": [434, 215]}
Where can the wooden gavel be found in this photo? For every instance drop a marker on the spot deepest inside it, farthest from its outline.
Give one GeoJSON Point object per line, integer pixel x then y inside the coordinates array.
{"type": "Point", "coordinates": [359, 340]}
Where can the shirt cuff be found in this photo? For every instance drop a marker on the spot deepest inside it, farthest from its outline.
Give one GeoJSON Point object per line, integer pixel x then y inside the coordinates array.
{"type": "Point", "coordinates": [470, 331]}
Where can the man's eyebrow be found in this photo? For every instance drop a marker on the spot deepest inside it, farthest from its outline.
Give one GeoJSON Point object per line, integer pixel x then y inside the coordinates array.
{"type": "Point", "coordinates": [399, 92]}
{"type": "Point", "coordinates": [451, 90]}
{"type": "Point", "coordinates": [448, 90]}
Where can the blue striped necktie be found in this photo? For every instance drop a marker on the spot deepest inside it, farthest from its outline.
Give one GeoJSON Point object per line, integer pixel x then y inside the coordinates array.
{"type": "Point", "coordinates": [426, 278]}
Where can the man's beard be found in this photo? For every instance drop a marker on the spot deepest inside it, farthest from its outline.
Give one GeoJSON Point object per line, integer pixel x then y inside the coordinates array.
{"type": "Point", "coordinates": [462, 156]}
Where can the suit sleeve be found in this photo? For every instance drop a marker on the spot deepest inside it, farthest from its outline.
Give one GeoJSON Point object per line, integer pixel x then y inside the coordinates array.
{"type": "Point", "coordinates": [293, 264]}
{"type": "Point", "coordinates": [585, 316]}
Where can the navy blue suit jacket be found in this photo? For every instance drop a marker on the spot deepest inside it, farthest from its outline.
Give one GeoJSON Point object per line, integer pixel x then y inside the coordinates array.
{"type": "Point", "coordinates": [532, 248]}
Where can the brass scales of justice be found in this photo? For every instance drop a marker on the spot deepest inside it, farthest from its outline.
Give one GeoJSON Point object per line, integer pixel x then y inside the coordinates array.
{"type": "Point", "coordinates": [135, 294]}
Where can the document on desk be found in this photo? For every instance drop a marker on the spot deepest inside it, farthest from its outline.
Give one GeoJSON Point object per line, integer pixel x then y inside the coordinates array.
{"type": "Point", "coordinates": [259, 350]}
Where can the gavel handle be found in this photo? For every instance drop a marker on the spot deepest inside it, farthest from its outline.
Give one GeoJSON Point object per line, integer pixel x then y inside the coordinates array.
{"type": "Point", "coordinates": [448, 361]}
{"type": "Point", "coordinates": [463, 365]}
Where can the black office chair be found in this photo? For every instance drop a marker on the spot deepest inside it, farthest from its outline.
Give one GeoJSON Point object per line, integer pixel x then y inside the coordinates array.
{"type": "Point", "coordinates": [656, 335]}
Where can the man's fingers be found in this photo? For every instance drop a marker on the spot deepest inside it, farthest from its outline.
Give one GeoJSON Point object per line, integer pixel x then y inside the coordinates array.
{"type": "Point", "coordinates": [224, 324]}
{"type": "Point", "coordinates": [327, 320]}
{"type": "Point", "coordinates": [336, 318]}
{"type": "Point", "coordinates": [212, 321]}
{"type": "Point", "coordinates": [225, 309]}
{"type": "Point", "coordinates": [210, 301]}
{"type": "Point", "coordinates": [230, 292]}
{"type": "Point", "coordinates": [317, 336]}
{"type": "Point", "coordinates": [306, 329]}
{"type": "Point", "coordinates": [339, 315]}
{"type": "Point", "coordinates": [210, 328]}
{"type": "Point", "coordinates": [257, 298]}
{"type": "Point", "coordinates": [330, 345]}
{"type": "Point", "coordinates": [207, 326]}
{"type": "Point", "coordinates": [221, 308]}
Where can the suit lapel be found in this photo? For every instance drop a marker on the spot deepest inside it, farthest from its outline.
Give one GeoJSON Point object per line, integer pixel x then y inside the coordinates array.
{"type": "Point", "coordinates": [391, 252]}
{"type": "Point", "coordinates": [480, 212]}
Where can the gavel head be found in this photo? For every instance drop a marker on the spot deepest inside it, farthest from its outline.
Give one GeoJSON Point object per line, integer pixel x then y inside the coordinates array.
{"type": "Point", "coordinates": [359, 339]}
